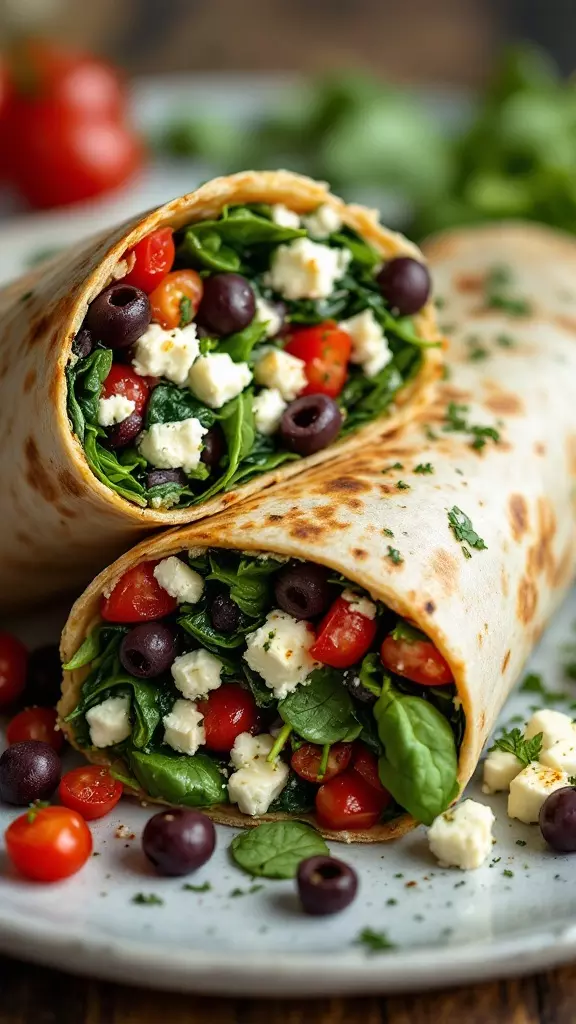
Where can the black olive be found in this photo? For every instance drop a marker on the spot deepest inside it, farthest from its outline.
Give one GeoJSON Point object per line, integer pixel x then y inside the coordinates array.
{"type": "Point", "coordinates": [326, 885]}
{"type": "Point", "coordinates": [214, 447]}
{"type": "Point", "coordinates": [310, 423]}
{"type": "Point", "coordinates": [224, 614]}
{"type": "Point", "coordinates": [148, 650]}
{"type": "Point", "coordinates": [228, 303]}
{"type": "Point", "coordinates": [125, 432]}
{"type": "Point", "coordinates": [119, 315]}
{"type": "Point", "coordinates": [29, 771]}
{"type": "Point", "coordinates": [178, 841]}
{"type": "Point", "coordinates": [302, 590]}
{"type": "Point", "coordinates": [158, 477]}
{"type": "Point", "coordinates": [405, 284]}
{"type": "Point", "coordinates": [82, 344]}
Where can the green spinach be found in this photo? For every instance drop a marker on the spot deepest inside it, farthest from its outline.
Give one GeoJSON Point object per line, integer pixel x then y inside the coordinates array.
{"type": "Point", "coordinates": [85, 380]}
{"type": "Point", "coordinates": [248, 580]}
{"type": "Point", "coordinates": [297, 797]}
{"type": "Point", "coordinates": [239, 346]}
{"type": "Point", "coordinates": [217, 245]}
{"type": "Point", "coordinates": [169, 404]}
{"type": "Point", "coordinates": [95, 644]}
{"type": "Point", "coordinates": [189, 781]}
{"type": "Point", "coordinates": [275, 849]}
{"type": "Point", "coordinates": [321, 711]}
{"type": "Point", "coordinates": [144, 704]}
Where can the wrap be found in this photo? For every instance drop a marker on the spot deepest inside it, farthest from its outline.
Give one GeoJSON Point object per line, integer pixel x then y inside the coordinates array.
{"type": "Point", "coordinates": [59, 522]}
{"type": "Point", "coordinates": [485, 531]}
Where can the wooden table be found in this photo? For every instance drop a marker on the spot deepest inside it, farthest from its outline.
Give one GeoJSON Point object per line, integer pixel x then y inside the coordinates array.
{"type": "Point", "coordinates": [35, 995]}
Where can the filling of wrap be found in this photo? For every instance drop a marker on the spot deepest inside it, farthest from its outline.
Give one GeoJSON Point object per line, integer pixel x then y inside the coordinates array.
{"type": "Point", "coordinates": [278, 686]}
{"type": "Point", "coordinates": [238, 345]}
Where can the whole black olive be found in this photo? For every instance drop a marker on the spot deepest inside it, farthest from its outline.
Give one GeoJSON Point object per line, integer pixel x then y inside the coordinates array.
{"type": "Point", "coordinates": [228, 303]}
{"type": "Point", "coordinates": [158, 477]}
{"type": "Point", "coordinates": [224, 614]}
{"type": "Point", "coordinates": [326, 885]}
{"type": "Point", "coordinates": [310, 423]}
{"type": "Point", "coordinates": [119, 315]}
{"type": "Point", "coordinates": [125, 432]}
{"type": "Point", "coordinates": [178, 841]}
{"type": "Point", "coordinates": [302, 590]}
{"type": "Point", "coordinates": [405, 284]}
{"type": "Point", "coordinates": [558, 819]}
{"type": "Point", "coordinates": [29, 771]}
{"type": "Point", "coordinates": [214, 447]}
{"type": "Point", "coordinates": [82, 344]}
{"type": "Point", "coordinates": [148, 650]}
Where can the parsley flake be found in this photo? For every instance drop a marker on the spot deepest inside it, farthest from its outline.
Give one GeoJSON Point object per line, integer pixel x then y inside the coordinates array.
{"type": "Point", "coordinates": [424, 467]}
{"type": "Point", "coordinates": [456, 422]}
{"type": "Point", "coordinates": [498, 293]}
{"type": "Point", "coordinates": [268, 643]}
{"type": "Point", "coordinates": [185, 306]}
{"type": "Point", "coordinates": [520, 842]}
{"type": "Point", "coordinates": [374, 942]}
{"type": "Point", "coordinates": [246, 892]}
{"type": "Point", "coordinates": [402, 485]}
{"type": "Point", "coordinates": [149, 899]}
{"type": "Point", "coordinates": [394, 555]}
{"type": "Point", "coordinates": [431, 435]}
{"type": "Point", "coordinates": [461, 526]}
{"type": "Point", "coordinates": [476, 350]}
{"type": "Point", "coordinates": [507, 873]}
{"type": "Point", "coordinates": [394, 465]}
{"type": "Point", "coordinates": [572, 780]}
{"type": "Point", "coordinates": [439, 302]}
{"type": "Point", "coordinates": [513, 742]}
{"type": "Point", "coordinates": [387, 532]}
{"type": "Point", "coordinates": [188, 887]}
{"type": "Point", "coordinates": [505, 341]}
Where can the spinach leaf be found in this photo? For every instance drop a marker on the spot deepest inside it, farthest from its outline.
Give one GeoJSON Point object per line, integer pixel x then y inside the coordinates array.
{"type": "Point", "coordinates": [420, 762]}
{"type": "Point", "coordinates": [248, 580]}
{"type": "Point", "coordinates": [198, 624]}
{"type": "Point", "coordinates": [167, 495]}
{"type": "Point", "coordinates": [190, 781]}
{"type": "Point", "coordinates": [215, 243]}
{"type": "Point", "coordinates": [239, 346]}
{"type": "Point", "coordinates": [276, 848]}
{"type": "Point", "coordinates": [369, 730]}
{"type": "Point", "coordinates": [371, 674]}
{"type": "Point", "coordinates": [144, 704]}
{"type": "Point", "coordinates": [297, 797]}
{"type": "Point", "coordinates": [170, 404]}
{"type": "Point", "coordinates": [362, 253]}
{"type": "Point", "coordinates": [106, 465]}
{"type": "Point", "coordinates": [262, 694]}
{"type": "Point", "coordinates": [84, 382]}
{"type": "Point", "coordinates": [262, 458]}
{"type": "Point", "coordinates": [237, 421]}
{"type": "Point", "coordinates": [95, 644]}
{"type": "Point", "coordinates": [321, 711]}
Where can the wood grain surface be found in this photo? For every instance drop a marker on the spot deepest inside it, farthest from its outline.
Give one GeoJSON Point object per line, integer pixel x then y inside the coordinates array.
{"type": "Point", "coordinates": [34, 995]}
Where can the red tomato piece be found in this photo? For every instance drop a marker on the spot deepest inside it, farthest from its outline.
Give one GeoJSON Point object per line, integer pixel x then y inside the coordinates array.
{"type": "Point", "coordinates": [306, 761]}
{"type": "Point", "coordinates": [348, 802]}
{"type": "Point", "coordinates": [343, 636]}
{"type": "Point", "coordinates": [13, 665]}
{"type": "Point", "coordinates": [228, 711]}
{"type": "Point", "coordinates": [36, 724]}
{"type": "Point", "coordinates": [123, 380]}
{"type": "Point", "coordinates": [154, 256]}
{"type": "Point", "coordinates": [138, 597]}
{"type": "Point", "coordinates": [169, 298]}
{"type": "Point", "coordinates": [366, 764]}
{"type": "Point", "coordinates": [326, 351]}
{"type": "Point", "coordinates": [48, 843]}
{"type": "Point", "coordinates": [417, 660]}
{"type": "Point", "coordinates": [80, 83]}
{"type": "Point", "coordinates": [90, 790]}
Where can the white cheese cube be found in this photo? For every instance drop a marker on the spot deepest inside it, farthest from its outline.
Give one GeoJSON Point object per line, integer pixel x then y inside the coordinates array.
{"type": "Point", "coordinates": [281, 372]}
{"type": "Point", "coordinates": [196, 673]}
{"type": "Point", "coordinates": [462, 836]}
{"type": "Point", "coordinates": [267, 314]}
{"type": "Point", "coordinates": [284, 217]}
{"type": "Point", "coordinates": [554, 726]}
{"type": "Point", "coordinates": [114, 409]}
{"type": "Point", "coordinates": [215, 379]}
{"type": "Point", "coordinates": [173, 445]}
{"type": "Point", "coordinates": [268, 407]}
{"type": "Point", "coordinates": [278, 651]}
{"type": "Point", "coordinates": [323, 222]}
{"type": "Point", "coordinates": [179, 580]}
{"type": "Point", "coordinates": [306, 270]}
{"type": "Point", "coordinates": [530, 788]}
{"type": "Point", "coordinates": [169, 354]}
{"type": "Point", "coordinates": [248, 748]}
{"type": "Point", "coordinates": [500, 767]}
{"type": "Point", "coordinates": [254, 788]}
{"type": "Point", "coordinates": [561, 755]}
{"type": "Point", "coordinates": [369, 343]}
{"type": "Point", "coordinates": [360, 605]}
{"type": "Point", "coordinates": [109, 722]}
{"type": "Point", "coordinates": [184, 731]}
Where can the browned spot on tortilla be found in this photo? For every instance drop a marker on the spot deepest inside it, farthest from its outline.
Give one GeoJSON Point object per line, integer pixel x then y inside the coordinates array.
{"type": "Point", "coordinates": [450, 393]}
{"type": "Point", "coordinates": [569, 322]}
{"type": "Point", "coordinates": [273, 517]}
{"type": "Point", "coordinates": [36, 474]}
{"type": "Point", "coordinates": [505, 661]}
{"type": "Point", "coordinates": [387, 489]}
{"type": "Point", "coordinates": [541, 555]}
{"type": "Point", "coordinates": [504, 581]}
{"type": "Point", "coordinates": [480, 639]}
{"type": "Point", "coordinates": [38, 328]}
{"type": "Point", "coordinates": [69, 483]}
{"type": "Point", "coordinates": [445, 570]}
{"type": "Point", "coordinates": [68, 513]}
{"type": "Point", "coordinates": [539, 448]}
{"type": "Point", "coordinates": [505, 403]}
{"type": "Point", "coordinates": [307, 532]}
{"type": "Point", "coordinates": [29, 380]}
{"type": "Point", "coordinates": [359, 553]}
{"type": "Point", "coordinates": [526, 601]}
{"type": "Point", "coordinates": [344, 485]}
{"type": "Point", "coordinates": [482, 720]}
{"type": "Point", "coordinates": [469, 282]}
{"type": "Point", "coordinates": [429, 607]}
{"type": "Point", "coordinates": [518, 515]}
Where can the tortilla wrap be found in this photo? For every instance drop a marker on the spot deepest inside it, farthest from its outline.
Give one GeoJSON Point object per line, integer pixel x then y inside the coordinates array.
{"type": "Point", "coordinates": [485, 612]}
{"type": "Point", "coordinates": [58, 520]}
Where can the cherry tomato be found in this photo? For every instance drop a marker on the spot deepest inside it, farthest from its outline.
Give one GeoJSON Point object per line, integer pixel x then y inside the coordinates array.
{"type": "Point", "coordinates": [228, 711]}
{"type": "Point", "coordinates": [348, 802]}
{"type": "Point", "coordinates": [366, 764]}
{"type": "Point", "coordinates": [13, 665]}
{"type": "Point", "coordinates": [306, 761]}
{"type": "Point", "coordinates": [326, 351]}
{"type": "Point", "coordinates": [48, 843]}
{"type": "Point", "coordinates": [36, 724]}
{"type": "Point", "coordinates": [123, 380]}
{"type": "Point", "coordinates": [138, 597]}
{"type": "Point", "coordinates": [166, 299]}
{"type": "Point", "coordinates": [154, 256]}
{"type": "Point", "coordinates": [343, 636]}
{"type": "Point", "coordinates": [90, 790]}
{"type": "Point", "coordinates": [417, 660]}
{"type": "Point", "coordinates": [81, 84]}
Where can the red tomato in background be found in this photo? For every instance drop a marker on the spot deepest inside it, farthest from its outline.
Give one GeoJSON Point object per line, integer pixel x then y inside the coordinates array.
{"type": "Point", "coordinates": [325, 350]}
{"type": "Point", "coordinates": [417, 660]}
{"type": "Point", "coordinates": [138, 597]}
{"type": "Point", "coordinates": [90, 790]}
{"type": "Point", "coordinates": [36, 724]}
{"type": "Point", "coordinates": [349, 802]}
{"type": "Point", "coordinates": [343, 636]}
{"type": "Point", "coordinates": [123, 380]}
{"type": "Point", "coordinates": [13, 665]}
{"type": "Point", "coordinates": [228, 711]}
{"type": "Point", "coordinates": [78, 82]}
{"type": "Point", "coordinates": [48, 843]}
{"type": "Point", "coordinates": [365, 763]}
{"type": "Point", "coordinates": [154, 256]}
{"type": "Point", "coordinates": [307, 759]}
{"type": "Point", "coordinates": [166, 299]}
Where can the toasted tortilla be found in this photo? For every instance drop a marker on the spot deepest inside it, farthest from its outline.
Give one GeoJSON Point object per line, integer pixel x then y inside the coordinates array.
{"type": "Point", "coordinates": [484, 608]}
{"type": "Point", "coordinates": [60, 524]}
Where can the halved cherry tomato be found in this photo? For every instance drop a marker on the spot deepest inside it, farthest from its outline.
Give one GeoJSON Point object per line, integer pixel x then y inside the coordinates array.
{"type": "Point", "coordinates": [48, 843]}
{"type": "Point", "coordinates": [417, 660]}
{"type": "Point", "coordinates": [348, 802]}
{"type": "Point", "coordinates": [306, 761]}
{"type": "Point", "coordinates": [36, 724]}
{"type": "Point", "coordinates": [90, 790]}
{"type": "Point", "coordinates": [343, 636]}
{"type": "Point", "coordinates": [168, 308]}
{"type": "Point", "coordinates": [228, 711]}
{"type": "Point", "coordinates": [154, 256]}
{"type": "Point", "coordinates": [138, 597]}
{"type": "Point", "coordinates": [13, 665]}
{"type": "Point", "coordinates": [123, 380]}
{"type": "Point", "coordinates": [326, 351]}
{"type": "Point", "coordinates": [366, 764]}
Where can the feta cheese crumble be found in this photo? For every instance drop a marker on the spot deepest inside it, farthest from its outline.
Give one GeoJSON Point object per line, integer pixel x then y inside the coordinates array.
{"type": "Point", "coordinates": [173, 445]}
{"type": "Point", "coordinates": [114, 409]}
{"type": "Point", "coordinates": [282, 372]}
{"type": "Point", "coordinates": [561, 755]}
{"type": "Point", "coordinates": [461, 837]}
{"type": "Point", "coordinates": [248, 748]}
{"type": "Point", "coordinates": [268, 407]}
{"type": "Point", "coordinates": [304, 269]}
{"type": "Point", "coordinates": [109, 722]}
{"type": "Point", "coordinates": [169, 354]}
{"type": "Point", "coordinates": [554, 726]}
{"type": "Point", "coordinates": [500, 767]}
{"type": "Point", "coordinates": [323, 222]}
{"type": "Point", "coordinates": [284, 217]}
{"type": "Point", "coordinates": [257, 782]}
{"type": "Point", "coordinates": [215, 379]}
{"type": "Point", "coordinates": [267, 314]}
{"type": "Point", "coordinates": [360, 605]}
{"type": "Point", "coordinates": [370, 347]}
{"type": "Point", "coordinates": [183, 727]}
{"type": "Point", "coordinates": [196, 673]}
{"type": "Point", "coordinates": [278, 651]}
{"type": "Point", "coordinates": [179, 580]}
{"type": "Point", "coordinates": [530, 788]}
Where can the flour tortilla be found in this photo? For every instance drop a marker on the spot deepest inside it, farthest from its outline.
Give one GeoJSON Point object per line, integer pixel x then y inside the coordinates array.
{"type": "Point", "coordinates": [485, 613]}
{"type": "Point", "coordinates": [60, 525]}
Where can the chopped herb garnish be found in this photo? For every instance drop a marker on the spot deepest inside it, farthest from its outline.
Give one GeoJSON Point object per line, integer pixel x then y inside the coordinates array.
{"type": "Point", "coordinates": [520, 842]}
{"type": "Point", "coordinates": [458, 885]}
{"type": "Point", "coordinates": [185, 306]}
{"type": "Point", "coordinates": [456, 422]}
{"type": "Point", "coordinates": [513, 742]}
{"type": "Point", "coordinates": [375, 942]}
{"type": "Point", "coordinates": [246, 892]}
{"type": "Point", "coordinates": [399, 875]}
{"type": "Point", "coordinates": [205, 887]}
{"type": "Point", "coordinates": [391, 902]}
{"type": "Point", "coordinates": [394, 555]}
{"type": "Point", "coordinates": [25, 296]}
{"type": "Point", "coordinates": [268, 642]}
{"type": "Point", "coordinates": [507, 873]}
{"type": "Point", "coordinates": [387, 532]}
{"type": "Point", "coordinates": [393, 465]}
{"type": "Point", "coordinates": [505, 341]}
{"type": "Point", "coordinates": [477, 351]}
{"type": "Point", "coordinates": [430, 434]}
{"type": "Point", "coordinates": [466, 552]}
{"type": "Point", "coordinates": [439, 302]}
{"type": "Point", "coordinates": [147, 899]}
{"type": "Point", "coordinates": [402, 486]}
{"type": "Point", "coordinates": [446, 372]}
{"type": "Point", "coordinates": [497, 293]}
{"type": "Point", "coordinates": [462, 528]}
{"type": "Point", "coordinates": [572, 780]}
{"type": "Point", "coordinates": [533, 684]}
{"type": "Point", "coordinates": [424, 467]}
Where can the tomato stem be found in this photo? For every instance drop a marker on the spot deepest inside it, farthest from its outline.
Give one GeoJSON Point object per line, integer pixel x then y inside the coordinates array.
{"type": "Point", "coordinates": [281, 740]}
{"type": "Point", "coordinates": [324, 761]}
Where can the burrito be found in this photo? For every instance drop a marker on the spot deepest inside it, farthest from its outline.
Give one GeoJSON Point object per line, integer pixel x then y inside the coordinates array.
{"type": "Point", "coordinates": [339, 648]}
{"type": "Point", "coordinates": [167, 368]}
